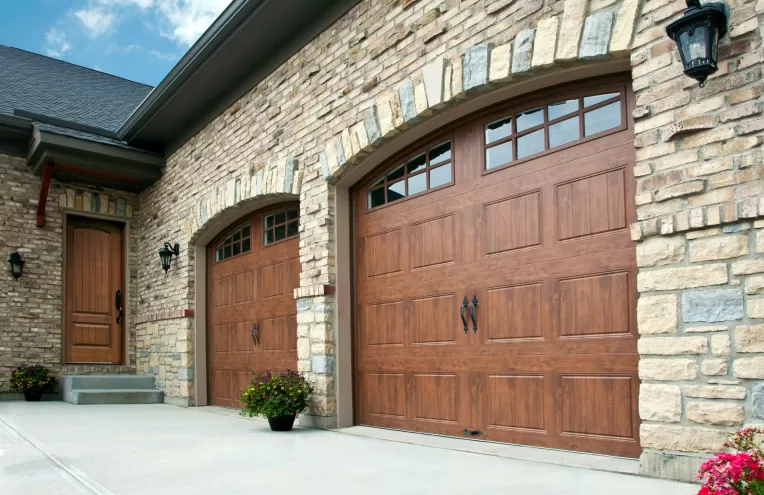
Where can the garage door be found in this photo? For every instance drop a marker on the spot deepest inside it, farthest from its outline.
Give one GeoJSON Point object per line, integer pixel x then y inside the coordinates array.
{"type": "Point", "coordinates": [253, 271]}
{"type": "Point", "coordinates": [496, 290]}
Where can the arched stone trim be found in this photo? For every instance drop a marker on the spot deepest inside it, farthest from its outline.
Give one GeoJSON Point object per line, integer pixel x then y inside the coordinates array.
{"type": "Point", "coordinates": [259, 181]}
{"type": "Point", "coordinates": [555, 40]}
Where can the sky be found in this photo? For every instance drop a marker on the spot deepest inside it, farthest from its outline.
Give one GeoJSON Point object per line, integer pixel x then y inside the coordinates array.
{"type": "Point", "coordinates": [140, 40]}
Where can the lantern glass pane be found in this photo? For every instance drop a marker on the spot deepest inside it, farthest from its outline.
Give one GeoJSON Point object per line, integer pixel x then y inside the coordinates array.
{"type": "Point", "coordinates": [693, 44]}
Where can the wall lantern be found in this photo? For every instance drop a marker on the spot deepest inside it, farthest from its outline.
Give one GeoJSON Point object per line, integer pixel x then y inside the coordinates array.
{"type": "Point", "coordinates": [165, 254]}
{"type": "Point", "coordinates": [16, 264]}
{"type": "Point", "coordinates": [697, 35]}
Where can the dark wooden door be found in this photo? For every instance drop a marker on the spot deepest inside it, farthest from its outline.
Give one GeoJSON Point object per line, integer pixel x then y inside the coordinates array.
{"type": "Point", "coordinates": [94, 274]}
{"type": "Point", "coordinates": [253, 271]}
{"type": "Point", "coordinates": [527, 216]}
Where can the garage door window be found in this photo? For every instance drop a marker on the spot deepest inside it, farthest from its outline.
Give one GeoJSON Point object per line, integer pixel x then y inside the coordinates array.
{"type": "Point", "coordinates": [425, 171]}
{"type": "Point", "coordinates": [280, 226]}
{"type": "Point", "coordinates": [239, 242]}
{"type": "Point", "coordinates": [534, 131]}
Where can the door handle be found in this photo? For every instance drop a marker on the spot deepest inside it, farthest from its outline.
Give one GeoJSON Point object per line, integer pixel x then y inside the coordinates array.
{"type": "Point", "coordinates": [464, 305]}
{"type": "Point", "coordinates": [472, 312]}
{"type": "Point", "coordinates": [118, 305]}
{"type": "Point", "coordinates": [256, 334]}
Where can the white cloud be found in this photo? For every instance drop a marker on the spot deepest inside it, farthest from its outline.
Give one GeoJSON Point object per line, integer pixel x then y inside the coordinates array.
{"type": "Point", "coordinates": [56, 44]}
{"type": "Point", "coordinates": [186, 20]}
{"type": "Point", "coordinates": [122, 49]}
{"type": "Point", "coordinates": [142, 4]}
{"type": "Point", "coordinates": [164, 56]}
{"type": "Point", "coordinates": [97, 21]}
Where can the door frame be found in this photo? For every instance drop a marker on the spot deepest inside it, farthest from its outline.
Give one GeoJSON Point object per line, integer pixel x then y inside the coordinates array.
{"type": "Point", "coordinates": [125, 224]}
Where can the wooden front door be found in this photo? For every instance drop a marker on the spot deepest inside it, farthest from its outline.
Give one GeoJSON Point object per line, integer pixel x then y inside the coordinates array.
{"type": "Point", "coordinates": [94, 276]}
{"type": "Point", "coordinates": [253, 271]}
{"type": "Point", "coordinates": [496, 291]}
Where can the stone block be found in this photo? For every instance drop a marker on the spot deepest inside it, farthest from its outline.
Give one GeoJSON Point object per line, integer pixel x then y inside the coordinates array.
{"type": "Point", "coordinates": [714, 367]}
{"type": "Point", "coordinates": [570, 30]}
{"type": "Point", "coordinates": [521, 62]}
{"type": "Point", "coordinates": [681, 189]}
{"type": "Point", "coordinates": [712, 305]}
{"type": "Point", "coordinates": [681, 438]}
{"type": "Point", "coordinates": [501, 58]}
{"type": "Point", "coordinates": [660, 250]}
{"type": "Point", "coordinates": [682, 278]}
{"type": "Point", "coordinates": [755, 308]}
{"type": "Point", "coordinates": [751, 368]}
{"type": "Point", "coordinates": [715, 413]}
{"type": "Point", "coordinates": [322, 364]}
{"type": "Point", "coordinates": [668, 369]}
{"type": "Point", "coordinates": [757, 401]}
{"type": "Point", "coordinates": [714, 392]}
{"type": "Point", "coordinates": [747, 267]}
{"type": "Point", "coordinates": [596, 35]}
{"type": "Point", "coordinates": [657, 314]}
{"type": "Point", "coordinates": [672, 346]}
{"type": "Point", "coordinates": [754, 285]}
{"type": "Point", "coordinates": [660, 403]}
{"type": "Point", "coordinates": [671, 465]}
{"type": "Point", "coordinates": [475, 67]}
{"type": "Point", "coordinates": [749, 338]}
{"type": "Point", "coordinates": [624, 26]}
{"type": "Point", "coordinates": [718, 248]}
{"type": "Point", "coordinates": [543, 50]}
{"type": "Point", "coordinates": [720, 345]}
{"type": "Point", "coordinates": [408, 104]}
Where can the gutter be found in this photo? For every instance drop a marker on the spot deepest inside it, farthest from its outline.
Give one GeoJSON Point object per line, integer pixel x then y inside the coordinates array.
{"type": "Point", "coordinates": [205, 46]}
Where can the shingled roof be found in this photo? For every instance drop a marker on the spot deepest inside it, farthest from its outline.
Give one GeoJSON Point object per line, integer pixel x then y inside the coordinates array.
{"type": "Point", "coordinates": [45, 86]}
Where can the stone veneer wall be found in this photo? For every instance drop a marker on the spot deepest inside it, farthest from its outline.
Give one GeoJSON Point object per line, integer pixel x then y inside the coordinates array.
{"type": "Point", "coordinates": [31, 307]}
{"type": "Point", "coordinates": [387, 66]}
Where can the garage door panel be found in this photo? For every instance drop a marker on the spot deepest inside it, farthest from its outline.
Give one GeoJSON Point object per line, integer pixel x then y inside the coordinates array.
{"type": "Point", "coordinates": [272, 280]}
{"type": "Point", "coordinates": [543, 245]}
{"type": "Point", "coordinates": [242, 288]}
{"type": "Point", "coordinates": [273, 334]}
{"type": "Point", "coordinates": [242, 337]}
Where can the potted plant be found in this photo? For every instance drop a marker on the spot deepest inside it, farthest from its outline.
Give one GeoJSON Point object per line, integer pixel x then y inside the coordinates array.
{"type": "Point", "coordinates": [738, 471]}
{"type": "Point", "coordinates": [278, 397]}
{"type": "Point", "coordinates": [33, 381]}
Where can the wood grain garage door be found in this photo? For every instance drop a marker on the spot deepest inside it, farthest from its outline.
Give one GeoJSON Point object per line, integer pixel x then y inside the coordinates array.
{"type": "Point", "coordinates": [253, 271]}
{"type": "Point", "coordinates": [496, 290]}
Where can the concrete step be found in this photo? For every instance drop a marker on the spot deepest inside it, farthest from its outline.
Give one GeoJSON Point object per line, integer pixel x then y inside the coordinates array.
{"type": "Point", "coordinates": [114, 396]}
{"type": "Point", "coordinates": [80, 382]}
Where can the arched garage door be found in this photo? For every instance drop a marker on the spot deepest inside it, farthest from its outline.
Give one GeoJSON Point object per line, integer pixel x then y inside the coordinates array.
{"type": "Point", "coordinates": [254, 268]}
{"type": "Point", "coordinates": [496, 290]}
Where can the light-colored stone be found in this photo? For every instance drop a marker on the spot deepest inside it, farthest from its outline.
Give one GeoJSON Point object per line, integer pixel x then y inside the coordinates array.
{"type": "Point", "coordinates": [714, 367]}
{"type": "Point", "coordinates": [715, 392]}
{"type": "Point", "coordinates": [706, 328]}
{"type": "Point", "coordinates": [660, 250]}
{"type": "Point", "coordinates": [755, 308]}
{"type": "Point", "coordinates": [712, 305]}
{"type": "Point", "coordinates": [682, 278]}
{"type": "Point", "coordinates": [754, 285]}
{"type": "Point", "coordinates": [570, 31]}
{"type": "Point", "coordinates": [757, 401]}
{"type": "Point", "coordinates": [624, 26]}
{"type": "Point", "coordinates": [751, 368]}
{"type": "Point", "coordinates": [668, 369]}
{"type": "Point", "coordinates": [720, 345]}
{"type": "Point", "coordinates": [521, 60]}
{"type": "Point", "coordinates": [543, 51]}
{"type": "Point", "coordinates": [681, 438]}
{"type": "Point", "coordinates": [475, 67]}
{"type": "Point", "coordinates": [596, 35]}
{"type": "Point", "coordinates": [747, 267]}
{"type": "Point", "coordinates": [717, 248]}
{"type": "Point", "coordinates": [715, 413]}
{"type": "Point", "coordinates": [749, 338]}
{"type": "Point", "coordinates": [660, 403]}
{"type": "Point", "coordinates": [501, 58]}
{"type": "Point", "coordinates": [672, 346]}
{"type": "Point", "coordinates": [657, 314]}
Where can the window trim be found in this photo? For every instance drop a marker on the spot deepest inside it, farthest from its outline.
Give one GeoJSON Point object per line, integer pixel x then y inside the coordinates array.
{"type": "Point", "coordinates": [221, 244]}
{"type": "Point", "coordinates": [579, 95]}
{"type": "Point", "coordinates": [275, 225]}
{"type": "Point", "coordinates": [402, 160]}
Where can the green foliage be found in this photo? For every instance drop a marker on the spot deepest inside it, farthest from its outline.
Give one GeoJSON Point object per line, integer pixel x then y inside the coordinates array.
{"type": "Point", "coordinates": [271, 395]}
{"type": "Point", "coordinates": [35, 377]}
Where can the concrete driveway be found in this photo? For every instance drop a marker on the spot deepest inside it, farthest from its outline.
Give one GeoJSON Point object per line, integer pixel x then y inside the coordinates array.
{"type": "Point", "coordinates": [55, 448]}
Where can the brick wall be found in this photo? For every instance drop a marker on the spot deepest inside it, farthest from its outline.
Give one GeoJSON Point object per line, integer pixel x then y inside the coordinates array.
{"type": "Point", "coordinates": [31, 307]}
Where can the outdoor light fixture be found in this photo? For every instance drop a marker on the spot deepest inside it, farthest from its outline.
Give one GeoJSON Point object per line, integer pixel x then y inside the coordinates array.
{"type": "Point", "coordinates": [697, 35]}
{"type": "Point", "coordinates": [16, 264]}
{"type": "Point", "coordinates": [165, 254]}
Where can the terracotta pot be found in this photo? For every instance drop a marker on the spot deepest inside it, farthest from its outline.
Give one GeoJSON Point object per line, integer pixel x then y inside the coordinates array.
{"type": "Point", "coordinates": [33, 395]}
{"type": "Point", "coordinates": [282, 423]}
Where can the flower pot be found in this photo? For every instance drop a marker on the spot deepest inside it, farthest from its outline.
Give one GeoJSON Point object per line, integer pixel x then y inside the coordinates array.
{"type": "Point", "coordinates": [281, 423]}
{"type": "Point", "coordinates": [33, 395]}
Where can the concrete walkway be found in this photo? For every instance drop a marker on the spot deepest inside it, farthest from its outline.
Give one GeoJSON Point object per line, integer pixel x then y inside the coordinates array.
{"type": "Point", "coordinates": [56, 448]}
